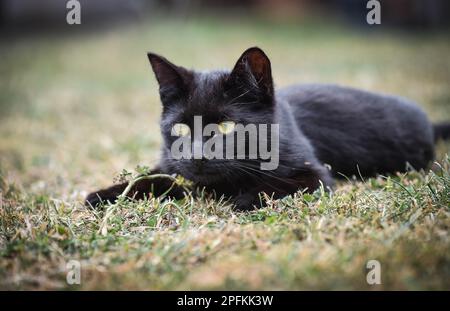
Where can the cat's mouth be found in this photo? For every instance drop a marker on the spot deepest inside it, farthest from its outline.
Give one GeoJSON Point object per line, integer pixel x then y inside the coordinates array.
{"type": "Point", "coordinates": [204, 177]}
{"type": "Point", "coordinates": [205, 174]}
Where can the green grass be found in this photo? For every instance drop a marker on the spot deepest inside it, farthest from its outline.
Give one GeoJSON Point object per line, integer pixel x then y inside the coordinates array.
{"type": "Point", "coordinates": [76, 110]}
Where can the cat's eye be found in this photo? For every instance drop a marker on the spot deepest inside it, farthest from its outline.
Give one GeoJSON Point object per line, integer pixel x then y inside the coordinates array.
{"type": "Point", "coordinates": [226, 127]}
{"type": "Point", "coordinates": [180, 129]}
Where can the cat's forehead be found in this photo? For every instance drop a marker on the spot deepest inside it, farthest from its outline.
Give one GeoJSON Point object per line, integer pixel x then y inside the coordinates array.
{"type": "Point", "coordinates": [208, 86]}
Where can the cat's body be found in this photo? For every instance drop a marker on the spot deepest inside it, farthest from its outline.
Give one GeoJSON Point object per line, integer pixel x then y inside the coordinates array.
{"type": "Point", "coordinates": [354, 132]}
{"type": "Point", "coordinates": [358, 132]}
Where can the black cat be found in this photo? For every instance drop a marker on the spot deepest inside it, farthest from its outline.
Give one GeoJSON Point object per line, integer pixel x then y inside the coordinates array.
{"type": "Point", "coordinates": [351, 132]}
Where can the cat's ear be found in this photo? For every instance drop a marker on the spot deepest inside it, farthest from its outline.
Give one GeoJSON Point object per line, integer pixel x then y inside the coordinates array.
{"type": "Point", "coordinates": [172, 79]}
{"type": "Point", "coordinates": [254, 67]}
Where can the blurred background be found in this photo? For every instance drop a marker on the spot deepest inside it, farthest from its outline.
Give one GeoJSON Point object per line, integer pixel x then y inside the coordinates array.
{"type": "Point", "coordinates": [79, 103]}
{"type": "Point", "coordinates": [422, 14]}
{"type": "Point", "coordinates": [81, 100]}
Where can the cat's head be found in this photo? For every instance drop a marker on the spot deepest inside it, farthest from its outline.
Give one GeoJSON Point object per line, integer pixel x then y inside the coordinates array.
{"type": "Point", "coordinates": [244, 95]}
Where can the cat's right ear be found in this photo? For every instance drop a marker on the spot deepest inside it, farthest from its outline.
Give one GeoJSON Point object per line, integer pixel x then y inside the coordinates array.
{"type": "Point", "coordinates": [253, 69]}
{"type": "Point", "coordinates": [172, 79]}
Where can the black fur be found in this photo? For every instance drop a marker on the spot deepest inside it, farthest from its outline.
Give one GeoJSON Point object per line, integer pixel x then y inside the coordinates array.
{"type": "Point", "coordinates": [442, 131]}
{"type": "Point", "coordinates": [354, 132]}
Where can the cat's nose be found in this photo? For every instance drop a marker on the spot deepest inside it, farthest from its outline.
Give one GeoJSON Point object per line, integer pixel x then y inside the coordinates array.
{"type": "Point", "coordinates": [199, 163]}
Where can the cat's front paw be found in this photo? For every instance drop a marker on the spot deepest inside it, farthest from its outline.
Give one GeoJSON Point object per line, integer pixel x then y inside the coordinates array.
{"type": "Point", "coordinates": [97, 198]}
{"type": "Point", "coordinates": [106, 195]}
{"type": "Point", "coordinates": [245, 202]}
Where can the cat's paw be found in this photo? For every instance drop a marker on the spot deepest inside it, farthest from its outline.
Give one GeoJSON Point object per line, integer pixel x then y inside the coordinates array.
{"type": "Point", "coordinates": [97, 198]}
{"type": "Point", "coordinates": [244, 202]}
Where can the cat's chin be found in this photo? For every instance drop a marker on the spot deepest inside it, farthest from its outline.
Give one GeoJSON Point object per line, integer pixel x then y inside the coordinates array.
{"type": "Point", "coordinates": [203, 179]}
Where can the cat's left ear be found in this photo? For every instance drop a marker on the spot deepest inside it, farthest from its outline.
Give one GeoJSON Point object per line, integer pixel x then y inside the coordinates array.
{"type": "Point", "coordinates": [173, 80]}
{"type": "Point", "coordinates": [254, 66]}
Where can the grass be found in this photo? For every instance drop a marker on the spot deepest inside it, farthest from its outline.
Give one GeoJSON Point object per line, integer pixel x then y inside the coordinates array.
{"type": "Point", "coordinates": [76, 110]}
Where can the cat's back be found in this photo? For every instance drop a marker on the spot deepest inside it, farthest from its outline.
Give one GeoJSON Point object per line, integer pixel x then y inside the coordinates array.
{"type": "Point", "coordinates": [350, 127]}
{"type": "Point", "coordinates": [327, 96]}
{"type": "Point", "coordinates": [342, 104]}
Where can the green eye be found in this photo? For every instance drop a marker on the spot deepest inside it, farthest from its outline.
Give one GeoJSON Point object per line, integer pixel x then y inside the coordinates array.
{"type": "Point", "coordinates": [180, 129]}
{"type": "Point", "coordinates": [226, 127]}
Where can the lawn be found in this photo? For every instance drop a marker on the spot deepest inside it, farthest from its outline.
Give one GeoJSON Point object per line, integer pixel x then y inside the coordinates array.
{"type": "Point", "coordinates": [78, 108]}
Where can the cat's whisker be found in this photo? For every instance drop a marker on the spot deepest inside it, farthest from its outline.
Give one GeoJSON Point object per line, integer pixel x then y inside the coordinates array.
{"type": "Point", "coordinates": [268, 173]}
{"type": "Point", "coordinates": [265, 182]}
{"type": "Point", "coordinates": [239, 96]}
